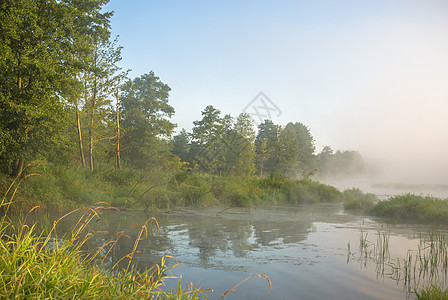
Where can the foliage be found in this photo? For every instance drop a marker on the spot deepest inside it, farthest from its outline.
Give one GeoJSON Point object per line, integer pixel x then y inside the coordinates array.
{"type": "Point", "coordinates": [41, 265]}
{"type": "Point", "coordinates": [355, 199]}
{"type": "Point", "coordinates": [432, 292]}
{"type": "Point", "coordinates": [145, 121]}
{"type": "Point", "coordinates": [266, 147]}
{"type": "Point", "coordinates": [413, 208]}
{"type": "Point", "coordinates": [41, 45]}
{"type": "Point", "coordinates": [340, 163]}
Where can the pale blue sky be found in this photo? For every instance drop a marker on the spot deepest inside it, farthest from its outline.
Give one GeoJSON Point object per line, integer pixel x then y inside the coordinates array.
{"type": "Point", "coordinates": [369, 75]}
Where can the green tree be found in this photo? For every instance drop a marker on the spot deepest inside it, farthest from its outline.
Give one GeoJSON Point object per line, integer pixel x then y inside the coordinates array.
{"type": "Point", "coordinates": [145, 114]}
{"type": "Point", "coordinates": [306, 166]}
{"type": "Point", "coordinates": [207, 141]}
{"type": "Point", "coordinates": [241, 147]}
{"type": "Point", "coordinates": [267, 148]}
{"type": "Point", "coordinates": [182, 146]}
{"type": "Point", "coordinates": [41, 44]}
{"type": "Point", "coordinates": [101, 78]}
{"type": "Point", "coordinates": [288, 151]}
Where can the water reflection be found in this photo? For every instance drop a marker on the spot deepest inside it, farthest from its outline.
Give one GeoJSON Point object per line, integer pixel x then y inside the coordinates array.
{"type": "Point", "coordinates": [300, 248]}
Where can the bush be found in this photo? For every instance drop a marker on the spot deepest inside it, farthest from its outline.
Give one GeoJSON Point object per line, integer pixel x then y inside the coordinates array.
{"type": "Point", "coordinates": [355, 199]}
{"type": "Point", "coordinates": [413, 208]}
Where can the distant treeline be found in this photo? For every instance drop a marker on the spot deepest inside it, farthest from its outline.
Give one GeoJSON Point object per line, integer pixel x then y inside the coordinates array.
{"type": "Point", "coordinates": [65, 100]}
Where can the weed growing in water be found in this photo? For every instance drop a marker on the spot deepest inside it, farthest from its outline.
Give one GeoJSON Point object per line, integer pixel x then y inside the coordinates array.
{"type": "Point", "coordinates": [426, 265]}
{"type": "Point", "coordinates": [39, 264]}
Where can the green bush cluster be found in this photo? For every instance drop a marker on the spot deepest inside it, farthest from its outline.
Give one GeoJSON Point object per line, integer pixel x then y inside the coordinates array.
{"type": "Point", "coordinates": [63, 187]}
{"type": "Point", "coordinates": [413, 208]}
{"type": "Point", "coordinates": [355, 199]}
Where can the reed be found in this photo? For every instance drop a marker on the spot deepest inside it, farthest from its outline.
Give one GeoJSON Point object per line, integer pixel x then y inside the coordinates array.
{"type": "Point", "coordinates": [37, 263]}
{"type": "Point", "coordinates": [426, 265]}
{"type": "Point", "coordinates": [42, 265]}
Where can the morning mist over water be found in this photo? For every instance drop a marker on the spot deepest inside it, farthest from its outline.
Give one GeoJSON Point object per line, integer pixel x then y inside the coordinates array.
{"type": "Point", "coordinates": [224, 149]}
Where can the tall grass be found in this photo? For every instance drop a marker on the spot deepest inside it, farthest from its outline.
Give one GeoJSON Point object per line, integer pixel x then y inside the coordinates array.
{"type": "Point", "coordinates": [64, 188]}
{"type": "Point", "coordinates": [423, 271]}
{"type": "Point", "coordinates": [413, 208]}
{"type": "Point", "coordinates": [40, 264]}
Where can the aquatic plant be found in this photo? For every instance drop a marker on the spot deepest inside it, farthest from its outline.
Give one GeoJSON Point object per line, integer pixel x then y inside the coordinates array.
{"type": "Point", "coordinates": [432, 292]}
{"type": "Point", "coordinates": [413, 208]}
{"type": "Point", "coordinates": [40, 264]}
{"type": "Point", "coordinates": [428, 264]}
{"type": "Point", "coordinates": [355, 199]}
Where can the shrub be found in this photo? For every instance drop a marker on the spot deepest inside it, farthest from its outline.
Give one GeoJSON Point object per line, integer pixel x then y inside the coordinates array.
{"type": "Point", "coordinates": [355, 199]}
{"type": "Point", "coordinates": [413, 208]}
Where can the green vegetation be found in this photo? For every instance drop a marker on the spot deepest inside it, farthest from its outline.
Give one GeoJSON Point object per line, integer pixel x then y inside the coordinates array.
{"type": "Point", "coordinates": [56, 187]}
{"type": "Point", "coordinates": [42, 265]}
{"type": "Point", "coordinates": [65, 101]}
{"type": "Point", "coordinates": [402, 208]}
{"type": "Point", "coordinates": [413, 208]}
{"type": "Point", "coordinates": [428, 265]}
{"type": "Point", "coordinates": [432, 292]}
{"type": "Point", "coordinates": [355, 199]}
{"type": "Point", "coordinates": [334, 164]}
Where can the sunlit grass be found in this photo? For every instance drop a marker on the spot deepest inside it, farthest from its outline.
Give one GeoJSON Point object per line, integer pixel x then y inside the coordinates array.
{"type": "Point", "coordinates": [41, 265]}
{"type": "Point", "coordinates": [37, 263]}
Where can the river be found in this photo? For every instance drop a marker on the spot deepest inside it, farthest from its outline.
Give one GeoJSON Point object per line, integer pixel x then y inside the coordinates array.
{"type": "Point", "coordinates": [308, 252]}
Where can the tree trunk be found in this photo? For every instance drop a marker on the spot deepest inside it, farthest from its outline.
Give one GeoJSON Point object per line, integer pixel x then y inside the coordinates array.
{"type": "Point", "coordinates": [18, 168]}
{"type": "Point", "coordinates": [91, 142]}
{"type": "Point", "coordinates": [78, 124]}
{"type": "Point", "coordinates": [118, 161]}
{"type": "Point", "coordinates": [92, 114]}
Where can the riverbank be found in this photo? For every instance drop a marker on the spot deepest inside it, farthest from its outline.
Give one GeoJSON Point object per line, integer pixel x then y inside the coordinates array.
{"type": "Point", "coordinates": [54, 187]}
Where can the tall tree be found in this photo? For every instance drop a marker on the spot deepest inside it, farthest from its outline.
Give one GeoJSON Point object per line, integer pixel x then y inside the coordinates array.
{"type": "Point", "coordinates": [40, 42]}
{"type": "Point", "coordinates": [306, 150]}
{"type": "Point", "coordinates": [288, 151]}
{"type": "Point", "coordinates": [102, 78]}
{"type": "Point", "coordinates": [182, 146]}
{"type": "Point", "coordinates": [241, 147]}
{"type": "Point", "coordinates": [206, 140]}
{"type": "Point", "coordinates": [267, 147]}
{"type": "Point", "coordinates": [146, 124]}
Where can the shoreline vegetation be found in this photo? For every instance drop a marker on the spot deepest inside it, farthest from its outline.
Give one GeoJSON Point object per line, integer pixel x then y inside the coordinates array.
{"type": "Point", "coordinates": [38, 263]}
{"type": "Point", "coordinates": [108, 138]}
{"type": "Point", "coordinates": [29, 253]}
{"type": "Point", "coordinates": [404, 208]}
{"type": "Point", "coordinates": [59, 188]}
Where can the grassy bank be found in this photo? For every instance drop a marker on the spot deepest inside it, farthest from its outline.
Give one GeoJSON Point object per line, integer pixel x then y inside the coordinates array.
{"type": "Point", "coordinates": [41, 265]}
{"type": "Point", "coordinates": [37, 262]}
{"type": "Point", "coordinates": [413, 208]}
{"type": "Point", "coordinates": [408, 208]}
{"type": "Point", "coordinates": [61, 188]}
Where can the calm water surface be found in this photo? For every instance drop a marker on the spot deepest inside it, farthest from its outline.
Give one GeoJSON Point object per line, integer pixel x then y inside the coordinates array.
{"type": "Point", "coordinates": [303, 250]}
